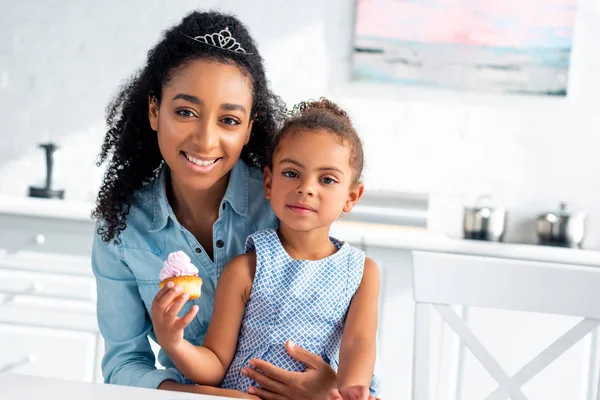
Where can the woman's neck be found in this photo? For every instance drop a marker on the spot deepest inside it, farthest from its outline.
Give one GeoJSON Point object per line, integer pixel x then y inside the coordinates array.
{"type": "Point", "coordinates": [306, 245]}
{"type": "Point", "coordinates": [196, 209]}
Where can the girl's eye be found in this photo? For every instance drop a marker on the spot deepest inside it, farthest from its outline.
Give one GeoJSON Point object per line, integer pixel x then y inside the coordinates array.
{"type": "Point", "coordinates": [328, 181]}
{"type": "Point", "coordinates": [230, 121]}
{"type": "Point", "coordinates": [290, 174]}
{"type": "Point", "coordinates": [185, 113]}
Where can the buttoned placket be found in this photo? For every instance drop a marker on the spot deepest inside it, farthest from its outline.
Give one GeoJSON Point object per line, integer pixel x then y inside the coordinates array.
{"type": "Point", "coordinates": [219, 251]}
{"type": "Point", "coordinates": [198, 254]}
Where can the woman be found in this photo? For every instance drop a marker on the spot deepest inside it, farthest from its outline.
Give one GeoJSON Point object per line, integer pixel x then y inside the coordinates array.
{"type": "Point", "coordinates": [187, 139]}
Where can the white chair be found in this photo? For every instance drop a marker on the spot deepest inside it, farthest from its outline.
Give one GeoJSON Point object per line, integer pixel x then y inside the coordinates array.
{"type": "Point", "coordinates": [443, 280]}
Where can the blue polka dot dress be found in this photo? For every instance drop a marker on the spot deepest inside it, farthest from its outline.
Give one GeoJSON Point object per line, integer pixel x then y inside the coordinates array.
{"type": "Point", "coordinates": [301, 300]}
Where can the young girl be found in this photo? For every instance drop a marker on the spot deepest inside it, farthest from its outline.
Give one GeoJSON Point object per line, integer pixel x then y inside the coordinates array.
{"type": "Point", "coordinates": [187, 139]}
{"type": "Point", "coordinates": [294, 283]}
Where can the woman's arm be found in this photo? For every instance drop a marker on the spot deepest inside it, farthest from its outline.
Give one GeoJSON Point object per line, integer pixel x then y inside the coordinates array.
{"type": "Point", "coordinates": [358, 350]}
{"type": "Point", "coordinates": [124, 323]}
{"type": "Point", "coordinates": [208, 364]}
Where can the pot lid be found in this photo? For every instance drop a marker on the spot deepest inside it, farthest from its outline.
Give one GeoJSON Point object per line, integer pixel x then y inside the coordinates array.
{"type": "Point", "coordinates": [562, 212]}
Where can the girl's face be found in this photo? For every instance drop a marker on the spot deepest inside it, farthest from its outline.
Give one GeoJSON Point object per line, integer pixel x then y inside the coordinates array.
{"type": "Point", "coordinates": [203, 122]}
{"type": "Point", "coordinates": [311, 181]}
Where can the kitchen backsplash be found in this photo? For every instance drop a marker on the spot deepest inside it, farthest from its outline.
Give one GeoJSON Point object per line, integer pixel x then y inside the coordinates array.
{"type": "Point", "coordinates": [61, 62]}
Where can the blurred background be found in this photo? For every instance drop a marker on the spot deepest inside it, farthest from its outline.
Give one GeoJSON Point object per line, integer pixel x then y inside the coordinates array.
{"type": "Point", "coordinates": [483, 143]}
{"type": "Point", "coordinates": [61, 61]}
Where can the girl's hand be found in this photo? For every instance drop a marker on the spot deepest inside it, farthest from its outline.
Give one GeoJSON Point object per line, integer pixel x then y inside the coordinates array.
{"type": "Point", "coordinates": [168, 327]}
{"type": "Point", "coordinates": [351, 393]}
{"type": "Point", "coordinates": [279, 384]}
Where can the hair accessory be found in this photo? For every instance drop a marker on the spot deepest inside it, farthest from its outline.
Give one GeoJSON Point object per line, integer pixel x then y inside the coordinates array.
{"type": "Point", "coordinates": [222, 40]}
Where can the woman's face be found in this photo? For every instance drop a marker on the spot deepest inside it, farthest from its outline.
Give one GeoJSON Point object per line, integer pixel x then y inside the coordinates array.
{"type": "Point", "coordinates": [203, 122]}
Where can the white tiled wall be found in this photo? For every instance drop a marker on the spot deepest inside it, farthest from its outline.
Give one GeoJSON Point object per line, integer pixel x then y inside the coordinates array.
{"type": "Point", "coordinates": [61, 61]}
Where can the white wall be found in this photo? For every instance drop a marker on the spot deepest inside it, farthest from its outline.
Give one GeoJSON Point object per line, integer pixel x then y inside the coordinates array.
{"type": "Point", "coordinates": [61, 61]}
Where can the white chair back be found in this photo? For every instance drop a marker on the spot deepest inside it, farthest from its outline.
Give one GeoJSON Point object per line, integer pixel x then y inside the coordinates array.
{"type": "Point", "coordinates": [444, 280]}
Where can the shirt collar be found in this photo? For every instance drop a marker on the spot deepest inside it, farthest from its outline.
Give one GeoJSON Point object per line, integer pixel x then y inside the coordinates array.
{"type": "Point", "coordinates": [160, 203]}
{"type": "Point", "coordinates": [237, 188]}
{"type": "Point", "coordinates": [236, 195]}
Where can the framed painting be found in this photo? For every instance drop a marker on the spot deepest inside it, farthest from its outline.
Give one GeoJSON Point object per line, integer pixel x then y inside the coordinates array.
{"type": "Point", "coordinates": [500, 46]}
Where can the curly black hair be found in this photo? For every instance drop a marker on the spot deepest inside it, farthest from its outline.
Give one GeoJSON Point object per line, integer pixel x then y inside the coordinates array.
{"type": "Point", "coordinates": [131, 146]}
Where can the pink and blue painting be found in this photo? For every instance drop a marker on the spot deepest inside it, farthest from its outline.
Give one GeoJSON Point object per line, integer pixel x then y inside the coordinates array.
{"type": "Point", "coordinates": [500, 46]}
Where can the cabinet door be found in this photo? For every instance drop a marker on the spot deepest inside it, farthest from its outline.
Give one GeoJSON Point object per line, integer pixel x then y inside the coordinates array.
{"type": "Point", "coordinates": [15, 282]}
{"type": "Point", "coordinates": [47, 352]}
{"type": "Point", "coordinates": [20, 233]}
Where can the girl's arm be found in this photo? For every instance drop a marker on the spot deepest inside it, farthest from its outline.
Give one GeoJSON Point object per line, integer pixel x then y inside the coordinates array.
{"type": "Point", "coordinates": [358, 350]}
{"type": "Point", "coordinates": [208, 364]}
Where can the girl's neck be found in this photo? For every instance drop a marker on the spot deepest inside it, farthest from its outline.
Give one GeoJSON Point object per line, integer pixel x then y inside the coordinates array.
{"type": "Point", "coordinates": [306, 245]}
{"type": "Point", "coordinates": [196, 208]}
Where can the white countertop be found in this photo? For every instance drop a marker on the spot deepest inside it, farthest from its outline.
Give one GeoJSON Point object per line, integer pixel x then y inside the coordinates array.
{"type": "Point", "coordinates": [407, 238]}
{"type": "Point", "coordinates": [25, 387]}
{"type": "Point", "coordinates": [52, 208]}
{"type": "Point", "coordinates": [359, 233]}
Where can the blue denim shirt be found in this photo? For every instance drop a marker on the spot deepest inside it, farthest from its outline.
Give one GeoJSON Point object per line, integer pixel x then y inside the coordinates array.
{"type": "Point", "coordinates": [127, 274]}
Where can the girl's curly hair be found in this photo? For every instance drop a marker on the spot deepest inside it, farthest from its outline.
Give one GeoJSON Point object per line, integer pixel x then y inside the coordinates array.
{"type": "Point", "coordinates": [323, 115]}
{"type": "Point", "coordinates": [131, 146]}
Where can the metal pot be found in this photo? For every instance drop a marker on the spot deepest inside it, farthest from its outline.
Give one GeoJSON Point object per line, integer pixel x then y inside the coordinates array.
{"type": "Point", "coordinates": [484, 222]}
{"type": "Point", "coordinates": [561, 228]}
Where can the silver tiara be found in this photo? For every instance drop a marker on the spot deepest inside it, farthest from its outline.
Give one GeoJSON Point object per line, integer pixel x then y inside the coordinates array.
{"type": "Point", "coordinates": [222, 40]}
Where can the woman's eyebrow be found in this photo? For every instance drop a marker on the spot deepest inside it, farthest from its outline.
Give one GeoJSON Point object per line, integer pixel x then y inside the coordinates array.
{"type": "Point", "coordinates": [189, 97]}
{"type": "Point", "coordinates": [233, 107]}
{"type": "Point", "coordinates": [196, 100]}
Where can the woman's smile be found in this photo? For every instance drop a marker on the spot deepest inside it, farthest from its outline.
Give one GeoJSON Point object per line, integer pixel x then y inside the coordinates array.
{"type": "Point", "coordinates": [200, 164]}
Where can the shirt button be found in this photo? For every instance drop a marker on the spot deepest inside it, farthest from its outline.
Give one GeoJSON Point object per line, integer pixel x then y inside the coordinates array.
{"type": "Point", "coordinates": [198, 250]}
{"type": "Point", "coordinates": [223, 206]}
{"type": "Point", "coordinates": [220, 243]}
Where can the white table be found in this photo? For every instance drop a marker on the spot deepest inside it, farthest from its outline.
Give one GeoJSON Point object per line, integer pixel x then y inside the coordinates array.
{"type": "Point", "coordinates": [26, 387]}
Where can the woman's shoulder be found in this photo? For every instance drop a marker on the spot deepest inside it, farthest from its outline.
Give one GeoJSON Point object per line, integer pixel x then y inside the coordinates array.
{"type": "Point", "coordinates": [142, 217]}
{"type": "Point", "coordinates": [255, 174]}
{"type": "Point", "coordinates": [260, 214]}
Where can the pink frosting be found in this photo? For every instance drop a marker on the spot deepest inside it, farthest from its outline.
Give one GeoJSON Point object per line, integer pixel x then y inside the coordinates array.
{"type": "Point", "coordinates": [177, 264]}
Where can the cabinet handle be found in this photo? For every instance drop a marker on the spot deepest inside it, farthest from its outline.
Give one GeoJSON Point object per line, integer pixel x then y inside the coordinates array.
{"type": "Point", "coordinates": [36, 287]}
{"type": "Point", "coordinates": [40, 238]}
{"type": "Point", "coordinates": [28, 359]}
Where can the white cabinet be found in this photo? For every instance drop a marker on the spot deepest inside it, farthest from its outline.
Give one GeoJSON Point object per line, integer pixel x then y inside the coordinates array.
{"type": "Point", "coordinates": [56, 353]}
{"type": "Point", "coordinates": [48, 324]}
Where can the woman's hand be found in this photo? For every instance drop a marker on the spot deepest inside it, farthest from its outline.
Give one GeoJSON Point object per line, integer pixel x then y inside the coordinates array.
{"type": "Point", "coordinates": [279, 384]}
{"type": "Point", "coordinates": [168, 327]}
{"type": "Point", "coordinates": [351, 393]}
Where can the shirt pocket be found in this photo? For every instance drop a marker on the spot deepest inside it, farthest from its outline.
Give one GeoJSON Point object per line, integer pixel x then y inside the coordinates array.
{"type": "Point", "coordinates": [194, 331]}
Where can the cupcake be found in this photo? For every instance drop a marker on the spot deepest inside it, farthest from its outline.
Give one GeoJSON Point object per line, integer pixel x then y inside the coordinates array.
{"type": "Point", "coordinates": [178, 268]}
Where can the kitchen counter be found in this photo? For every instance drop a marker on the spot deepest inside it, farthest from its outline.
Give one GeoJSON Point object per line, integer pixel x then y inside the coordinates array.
{"type": "Point", "coordinates": [359, 233]}
{"type": "Point", "coordinates": [409, 238]}
{"type": "Point", "coordinates": [25, 387]}
{"type": "Point", "coordinates": [50, 208]}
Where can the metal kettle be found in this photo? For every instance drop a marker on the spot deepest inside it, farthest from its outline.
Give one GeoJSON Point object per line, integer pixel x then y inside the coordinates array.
{"type": "Point", "coordinates": [484, 222]}
{"type": "Point", "coordinates": [561, 228]}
